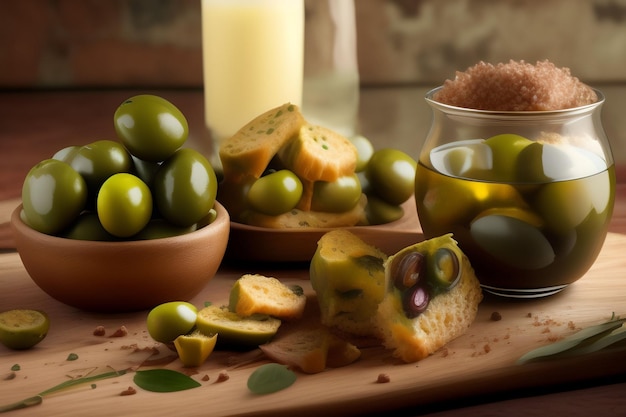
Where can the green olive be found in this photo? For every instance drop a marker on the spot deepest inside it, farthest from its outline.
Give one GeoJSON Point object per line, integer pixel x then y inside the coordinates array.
{"type": "Point", "coordinates": [234, 196]}
{"type": "Point", "coordinates": [337, 196]}
{"type": "Point", "coordinates": [151, 127]}
{"type": "Point", "coordinates": [146, 170]}
{"type": "Point", "coordinates": [275, 193]}
{"type": "Point", "coordinates": [66, 154]}
{"type": "Point", "coordinates": [98, 160]}
{"type": "Point", "coordinates": [444, 268]}
{"type": "Point", "coordinates": [53, 195]}
{"type": "Point", "coordinates": [506, 149]}
{"type": "Point", "coordinates": [391, 175]}
{"type": "Point", "coordinates": [88, 227]}
{"type": "Point", "coordinates": [185, 187]}
{"type": "Point", "coordinates": [378, 211]}
{"type": "Point", "coordinates": [124, 205]}
{"type": "Point", "coordinates": [159, 228]}
{"type": "Point", "coordinates": [512, 241]}
{"type": "Point", "coordinates": [364, 151]}
{"type": "Point", "coordinates": [467, 159]}
{"type": "Point", "coordinates": [22, 328]}
{"type": "Point", "coordinates": [169, 320]}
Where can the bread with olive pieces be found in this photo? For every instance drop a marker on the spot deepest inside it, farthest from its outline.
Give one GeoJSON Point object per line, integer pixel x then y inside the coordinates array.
{"type": "Point", "coordinates": [348, 277]}
{"type": "Point", "coordinates": [448, 314]}
{"type": "Point", "coordinates": [355, 299]}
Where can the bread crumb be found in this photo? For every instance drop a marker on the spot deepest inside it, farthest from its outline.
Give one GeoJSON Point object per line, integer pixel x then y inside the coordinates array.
{"type": "Point", "coordinates": [223, 376]}
{"type": "Point", "coordinates": [496, 316]}
{"type": "Point", "coordinates": [383, 378]}
{"type": "Point", "coordinates": [206, 377]}
{"type": "Point", "coordinates": [99, 331]}
{"type": "Point", "coordinates": [128, 391]}
{"type": "Point", "coordinates": [121, 332]}
{"type": "Point", "coordinates": [516, 86]}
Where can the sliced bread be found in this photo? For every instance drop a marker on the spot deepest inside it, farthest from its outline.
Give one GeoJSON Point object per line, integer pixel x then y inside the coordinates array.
{"type": "Point", "coordinates": [250, 150]}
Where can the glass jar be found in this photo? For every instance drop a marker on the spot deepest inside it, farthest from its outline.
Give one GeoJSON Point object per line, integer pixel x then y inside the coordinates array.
{"type": "Point", "coordinates": [528, 195]}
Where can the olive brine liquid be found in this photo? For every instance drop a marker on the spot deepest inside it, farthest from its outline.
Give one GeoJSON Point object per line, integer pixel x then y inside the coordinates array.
{"type": "Point", "coordinates": [523, 239]}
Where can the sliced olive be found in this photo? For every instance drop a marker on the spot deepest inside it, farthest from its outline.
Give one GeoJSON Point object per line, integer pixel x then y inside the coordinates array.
{"type": "Point", "coordinates": [445, 268]}
{"type": "Point", "coordinates": [415, 301]}
{"type": "Point", "coordinates": [406, 271]}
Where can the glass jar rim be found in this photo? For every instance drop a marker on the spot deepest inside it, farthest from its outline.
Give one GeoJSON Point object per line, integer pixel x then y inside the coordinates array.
{"type": "Point", "coordinates": [511, 113]}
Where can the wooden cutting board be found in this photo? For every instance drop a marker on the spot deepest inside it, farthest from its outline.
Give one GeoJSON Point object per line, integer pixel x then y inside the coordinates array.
{"type": "Point", "coordinates": [480, 362]}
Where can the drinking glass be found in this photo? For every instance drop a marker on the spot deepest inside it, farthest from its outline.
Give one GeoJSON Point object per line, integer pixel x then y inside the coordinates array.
{"type": "Point", "coordinates": [253, 58]}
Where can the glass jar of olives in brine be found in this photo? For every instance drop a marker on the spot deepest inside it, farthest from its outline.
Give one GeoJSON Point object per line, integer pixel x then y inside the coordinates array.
{"type": "Point", "coordinates": [527, 194]}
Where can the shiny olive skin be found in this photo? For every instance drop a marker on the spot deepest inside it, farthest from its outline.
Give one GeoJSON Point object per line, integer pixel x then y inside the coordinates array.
{"type": "Point", "coordinates": [98, 160]}
{"type": "Point", "coordinates": [415, 301]}
{"type": "Point", "coordinates": [234, 196]}
{"type": "Point", "coordinates": [337, 196]}
{"type": "Point", "coordinates": [53, 195]}
{"type": "Point", "coordinates": [409, 270]}
{"type": "Point", "coordinates": [159, 228]}
{"type": "Point", "coordinates": [88, 227]}
{"type": "Point", "coordinates": [151, 127]}
{"type": "Point", "coordinates": [391, 175]}
{"type": "Point", "coordinates": [66, 154]}
{"type": "Point", "coordinates": [444, 267]}
{"type": "Point", "coordinates": [184, 187]}
{"type": "Point", "coordinates": [169, 320]}
{"type": "Point", "coordinates": [378, 211]}
{"type": "Point", "coordinates": [275, 193]}
{"type": "Point", "coordinates": [124, 205]}
{"type": "Point", "coordinates": [145, 169]}
{"type": "Point", "coordinates": [364, 151]}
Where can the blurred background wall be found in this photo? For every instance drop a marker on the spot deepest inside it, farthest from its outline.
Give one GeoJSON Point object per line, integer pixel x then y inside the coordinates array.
{"type": "Point", "coordinates": [156, 43]}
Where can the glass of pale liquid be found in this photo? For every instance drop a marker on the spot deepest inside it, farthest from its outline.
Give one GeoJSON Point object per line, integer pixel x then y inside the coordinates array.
{"type": "Point", "coordinates": [528, 195]}
{"type": "Point", "coordinates": [253, 58]}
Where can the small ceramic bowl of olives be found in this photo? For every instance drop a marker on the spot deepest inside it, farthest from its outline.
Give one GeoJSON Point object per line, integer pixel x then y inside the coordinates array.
{"type": "Point", "coordinates": [123, 275]}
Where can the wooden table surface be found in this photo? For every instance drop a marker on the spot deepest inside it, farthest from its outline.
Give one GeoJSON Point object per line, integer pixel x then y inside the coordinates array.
{"type": "Point", "coordinates": [33, 125]}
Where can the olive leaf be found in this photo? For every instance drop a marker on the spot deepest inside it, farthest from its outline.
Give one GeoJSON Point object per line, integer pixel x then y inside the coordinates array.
{"type": "Point", "coordinates": [588, 340]}
{"type": "Point", "coordinates": [164, 380]}
{"type": "Point", "coordinates": [269, 378]}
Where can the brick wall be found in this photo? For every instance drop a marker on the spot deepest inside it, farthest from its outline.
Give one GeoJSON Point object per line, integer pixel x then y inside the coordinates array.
{"type": "Point", "coordinates": [102, 43]}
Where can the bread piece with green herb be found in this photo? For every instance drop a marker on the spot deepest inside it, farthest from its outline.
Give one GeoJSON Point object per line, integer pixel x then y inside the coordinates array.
{"type": "Point", "coordinates": [250, 150]}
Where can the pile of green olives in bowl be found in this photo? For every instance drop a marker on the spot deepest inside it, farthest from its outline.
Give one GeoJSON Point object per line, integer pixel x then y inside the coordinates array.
{"type": "Point", "coordinates": [127, 224]}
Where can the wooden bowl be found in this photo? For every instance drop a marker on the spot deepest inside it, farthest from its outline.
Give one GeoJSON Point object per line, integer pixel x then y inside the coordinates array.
{"type": "Point", "coordinates": [122, 276]}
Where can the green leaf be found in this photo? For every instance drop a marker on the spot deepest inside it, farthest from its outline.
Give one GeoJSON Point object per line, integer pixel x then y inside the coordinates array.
{"type": "Point", "coordinates": [28, 402]}
{"type": "Point", "coordinates": [580, 342]}
{"type": "Point", "coordinates": [164, 380]}
{"type": "Point", "coordinates": [78, 381]}
{"type": "Point", "coordinates": [269, 378]}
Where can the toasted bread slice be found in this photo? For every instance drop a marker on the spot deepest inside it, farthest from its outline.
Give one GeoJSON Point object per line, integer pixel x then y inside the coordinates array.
{"type": "Point", "coordinates": [258, 294]}
{"type": "Point", "coordinates": [250, 150]}
{"type": "Point", "coordinates": [311, 349]}
{"type": "Point", "coordinates": [319, 154]}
